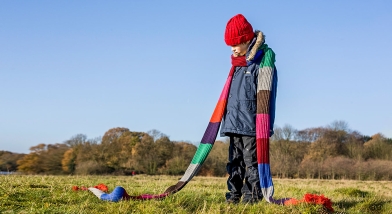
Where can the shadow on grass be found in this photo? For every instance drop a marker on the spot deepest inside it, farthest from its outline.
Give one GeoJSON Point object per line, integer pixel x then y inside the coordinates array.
{"type": "Point", "coordinates": [345, 204]}
{"type": "Point", "coordinates": [34, 186]}
{"type": "Point", "coordinates": [367, 205]}
{"type": "Point", "coordinates": [352, 192]}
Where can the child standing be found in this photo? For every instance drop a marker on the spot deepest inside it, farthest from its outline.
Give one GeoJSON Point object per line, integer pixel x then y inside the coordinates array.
{"type": "Point", "coordinates": [239, 120]}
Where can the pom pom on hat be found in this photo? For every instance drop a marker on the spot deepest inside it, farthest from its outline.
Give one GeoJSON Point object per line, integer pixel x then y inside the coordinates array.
{"type": "Point", "coordinates": [238, 30]}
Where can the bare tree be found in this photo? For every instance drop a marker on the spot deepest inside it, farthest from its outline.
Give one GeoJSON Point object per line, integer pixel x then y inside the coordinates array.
{"type": "Point", "coordinates": [339, 125]}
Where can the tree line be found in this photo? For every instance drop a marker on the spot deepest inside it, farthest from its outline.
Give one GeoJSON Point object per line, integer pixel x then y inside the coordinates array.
{"type": "Point", "coordinates": [330, 152]}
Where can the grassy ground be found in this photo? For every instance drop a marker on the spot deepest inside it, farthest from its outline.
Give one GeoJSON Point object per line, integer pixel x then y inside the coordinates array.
{"type": "Point", "coordinates": [53, 194]}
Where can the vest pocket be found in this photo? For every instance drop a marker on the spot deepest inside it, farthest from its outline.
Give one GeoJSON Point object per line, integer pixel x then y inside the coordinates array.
{"type": "Point", "coordinates": [247, 115]}
{"type": "Point", "coordinates": [250, 88]}
{"type": "Point", "coordinates": [248, 105]}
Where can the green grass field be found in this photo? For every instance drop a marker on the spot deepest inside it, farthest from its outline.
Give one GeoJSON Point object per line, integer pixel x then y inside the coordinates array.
{"type": "Point", "coordinates": [53, 194]}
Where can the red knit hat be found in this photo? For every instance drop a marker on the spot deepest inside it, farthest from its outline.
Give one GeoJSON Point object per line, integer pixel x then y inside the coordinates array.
{"type": "Point", "coordinates": [238, 30]}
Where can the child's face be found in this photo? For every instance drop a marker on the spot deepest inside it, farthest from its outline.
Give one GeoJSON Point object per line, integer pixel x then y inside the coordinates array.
{"type": "Point", "coordinates": [241, 49]}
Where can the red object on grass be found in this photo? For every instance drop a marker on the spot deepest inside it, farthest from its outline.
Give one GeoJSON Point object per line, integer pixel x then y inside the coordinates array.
{"type": "Point", "coordinates": [313, 199]}
{"type": "Point", "coordinates": [101, 187]}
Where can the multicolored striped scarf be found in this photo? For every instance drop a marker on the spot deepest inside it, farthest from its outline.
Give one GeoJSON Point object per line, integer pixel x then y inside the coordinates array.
{"type": "Point", "coordinates": [264, 87]}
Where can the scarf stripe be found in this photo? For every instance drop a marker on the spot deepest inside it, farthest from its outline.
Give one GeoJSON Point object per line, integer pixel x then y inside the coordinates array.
{"type": "Point", "coordinates": [210, 133]}
{"type": "Point", "coordinates": [267, 84]}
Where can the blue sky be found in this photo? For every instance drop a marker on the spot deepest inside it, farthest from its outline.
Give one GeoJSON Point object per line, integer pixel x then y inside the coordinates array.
{"type": "Point", "coordinates": [70, 67]}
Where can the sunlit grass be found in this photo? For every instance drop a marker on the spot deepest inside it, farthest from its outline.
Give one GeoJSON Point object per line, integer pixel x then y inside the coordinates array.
{"type": "Point", "coordinates": [53, 194]}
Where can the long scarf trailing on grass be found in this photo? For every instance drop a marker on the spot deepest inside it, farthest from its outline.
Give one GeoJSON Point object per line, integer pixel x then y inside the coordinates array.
{"type": "Point", "coordinates": [266, 71]}
{"type": "Point", "coordinates": [264, 88]}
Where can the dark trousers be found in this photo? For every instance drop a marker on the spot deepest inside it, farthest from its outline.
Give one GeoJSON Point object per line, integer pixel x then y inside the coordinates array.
{"type": "Point", "coordinates": [242, 168]}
